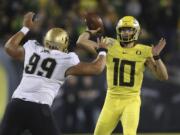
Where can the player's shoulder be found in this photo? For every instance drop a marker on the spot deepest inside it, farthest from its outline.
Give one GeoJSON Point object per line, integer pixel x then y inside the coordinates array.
{"type": "Point", "coordinates": [73, 58]}
{"type": "Point", "coordinates": [73, 55]}
{"type": "Point", "coordinates": [63, 55]}
{"type": "Point", "coordinates": [143, 46]}
{"type": "Point", "coordinates": [146, 49]}
{"type": "Point", "coordinates": [68, 56]}
{"type": "Point", "coordinates": [32, 44]}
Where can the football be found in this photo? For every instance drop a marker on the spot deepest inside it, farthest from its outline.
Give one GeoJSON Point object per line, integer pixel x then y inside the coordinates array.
{"type": "Point", "coordinates": [94, 21]}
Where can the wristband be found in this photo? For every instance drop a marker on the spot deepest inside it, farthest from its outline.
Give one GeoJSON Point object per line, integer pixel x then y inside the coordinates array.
{"type": "Point", "coordinates": [157, 57]}
{"type": "Point", "coordinates": [24, 30]}
{"type": "Point", "coordinates": [102, 53]}
{"type": "Point", "coordinates": [102, 49]}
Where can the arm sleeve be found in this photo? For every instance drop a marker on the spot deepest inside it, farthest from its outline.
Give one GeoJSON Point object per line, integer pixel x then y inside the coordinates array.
{"type": "Point", "coordinates": [74, 59]}
{"type": "Point", "coordinates": [29, 44]}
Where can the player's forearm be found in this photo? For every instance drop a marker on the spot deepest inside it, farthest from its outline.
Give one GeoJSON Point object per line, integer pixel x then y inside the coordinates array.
{"type": "Point", "coordinates": [97, 67]}
{"type": "Point", "coordinates": [12, 45]}
{"type": "Point", "coordinates": [84, 42]}
{"type": "Point", "coordinates": [161, 71]}
{"type": "Point", "coordinates": [99, 64]}
{"type": "Point", "coordinates": [93, 68]}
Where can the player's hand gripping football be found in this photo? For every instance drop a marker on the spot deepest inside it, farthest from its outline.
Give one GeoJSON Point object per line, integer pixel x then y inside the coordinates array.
{"type": "Point", "coordinates": [159, 47]}
{"type": "Point", "coordinates": [94, 32]}
{"type": "Point", "coordinates": [28, 20]}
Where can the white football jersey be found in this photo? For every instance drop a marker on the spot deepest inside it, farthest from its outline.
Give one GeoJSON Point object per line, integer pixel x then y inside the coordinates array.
{"type": "Point", "coordinates": [44, 73]}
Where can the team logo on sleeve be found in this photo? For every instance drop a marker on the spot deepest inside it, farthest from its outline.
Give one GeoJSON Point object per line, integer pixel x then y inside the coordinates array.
{"type": "Point", "coordinates": [138, 52]}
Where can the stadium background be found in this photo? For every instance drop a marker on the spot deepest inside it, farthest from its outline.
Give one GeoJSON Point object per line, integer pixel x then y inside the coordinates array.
{"type": "Point", "coordinates": [79, 103]}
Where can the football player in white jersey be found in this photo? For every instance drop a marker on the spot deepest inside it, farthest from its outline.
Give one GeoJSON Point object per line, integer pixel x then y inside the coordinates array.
{"type": "Point", "coordinates": [45, 69]}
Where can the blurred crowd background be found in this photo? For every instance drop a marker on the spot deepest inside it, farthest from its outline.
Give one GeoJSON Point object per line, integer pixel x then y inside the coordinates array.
{"type": "Point", "coordinates": [78, 104]}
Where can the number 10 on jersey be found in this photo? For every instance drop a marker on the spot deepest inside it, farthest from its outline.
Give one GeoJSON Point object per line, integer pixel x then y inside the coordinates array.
{"type": "Point", "coordinates": [119, 71]}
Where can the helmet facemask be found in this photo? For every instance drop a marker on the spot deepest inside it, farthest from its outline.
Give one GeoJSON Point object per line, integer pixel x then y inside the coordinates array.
{"type": "Point", "coordinates": [126, 34]}
{"type": "Point", "coordinates": [56, 39]}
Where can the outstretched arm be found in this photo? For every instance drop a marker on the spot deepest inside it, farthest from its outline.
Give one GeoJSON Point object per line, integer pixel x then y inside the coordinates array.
{"type": "Point", "coordinates": [12, 46]}
{"type": "Point", "coordinates": [93, 68]}
{"type": "Point", "coordinates": [155, 64]}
